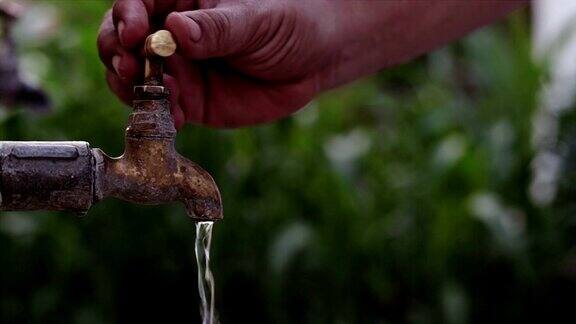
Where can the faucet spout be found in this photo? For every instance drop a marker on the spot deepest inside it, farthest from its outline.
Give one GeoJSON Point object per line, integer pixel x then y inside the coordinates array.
{"type": "Point", "coordinates": [71, 176]}
{"type": "Point", "coordinates": [151, 171]}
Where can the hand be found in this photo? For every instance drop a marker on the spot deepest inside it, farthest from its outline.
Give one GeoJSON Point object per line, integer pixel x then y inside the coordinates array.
{"type": "Point", "coordinates": [238, 63]}
{"type": "Point", "coordinates": [244, 62]}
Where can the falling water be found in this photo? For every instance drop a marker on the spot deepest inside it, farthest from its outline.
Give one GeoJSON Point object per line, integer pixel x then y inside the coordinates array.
{"type": "Point", "coordinates": [205, 278]}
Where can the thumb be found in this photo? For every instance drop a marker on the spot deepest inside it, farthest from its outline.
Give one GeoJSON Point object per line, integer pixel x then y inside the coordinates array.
{"type": "Point", "coordinates": [217, 32]}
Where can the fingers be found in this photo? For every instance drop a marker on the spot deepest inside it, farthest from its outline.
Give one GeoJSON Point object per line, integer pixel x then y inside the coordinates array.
{"type": "Point", "coordinates": [131, 21]}
{"type": "Point", "coordinates": [161, 8]}
{"type": "Point", "coordinates": [132, 18]}
{"type": "Point", "coordinates": [122, 32]}
{"type": "Point", "coordinates": [207, 33]}
{"type": "Point", "coordinates": [127, 66]}
{"type": "Point", "coordinates": [243, 102]}
{"type": "Point", "coordinates": [107, 41]}
{"type": "Point", "coordinates": [191, 85]}
{"type": "Point", "coordinates": [115, 57]}
{"type": "Point", "coordinates": [122, 90]}
{"type": "Point", "coordinates": [125, 93]}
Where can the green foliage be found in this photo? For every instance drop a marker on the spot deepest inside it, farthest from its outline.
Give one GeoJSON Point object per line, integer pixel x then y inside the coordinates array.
{"type": "Point", "coordinates": [400, 198]}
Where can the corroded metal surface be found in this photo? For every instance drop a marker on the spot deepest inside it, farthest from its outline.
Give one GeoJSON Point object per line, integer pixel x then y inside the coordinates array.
{"type": "Point", "coordinates": [46, 175]}
{"type": "Point", "coordinates": [71, 176]}
{"type": "Point", "coordinates": [151, 171]}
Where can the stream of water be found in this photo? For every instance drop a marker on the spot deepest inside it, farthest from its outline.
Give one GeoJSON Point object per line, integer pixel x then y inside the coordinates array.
{"type": "Point", "coordinates": [205, 278]}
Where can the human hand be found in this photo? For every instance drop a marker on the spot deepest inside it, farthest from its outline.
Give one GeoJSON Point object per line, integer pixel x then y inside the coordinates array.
{"type": "Point", "coordinates": [245, 62]}
{"type": "Point", "coordinates": [239, 62]}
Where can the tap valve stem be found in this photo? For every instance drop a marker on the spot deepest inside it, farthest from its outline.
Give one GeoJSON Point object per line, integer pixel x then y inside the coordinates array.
{"type": "Point", "coordinates": [151, 171]}
{"type": "Point", "coordinates": [158, 46]}
{"type": "Point", "coordinates": [73, 176]}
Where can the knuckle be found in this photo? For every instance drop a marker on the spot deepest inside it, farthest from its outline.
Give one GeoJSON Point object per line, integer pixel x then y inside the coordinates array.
{"type": "Point", "coordinates": [216, 25]}
{"type": "Point", "coordinates": [116, 11]}
{"type": "Point", "coordinates": [101, 43]}
{"type": "Point", "coordinates": [107, 39]}
{"type": "Point", "coordinates": [206, 4]}
{"type": "Point", "coordinates": [104, 45]}
{"type": "Point", "coordinates": [107, 24]}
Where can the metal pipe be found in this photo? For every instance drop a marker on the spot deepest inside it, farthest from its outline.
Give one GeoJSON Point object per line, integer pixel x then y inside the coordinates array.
{"type": "Point", "coordinates": [46, 175]}
{"type": "Point", "coordinates": [72, 176]}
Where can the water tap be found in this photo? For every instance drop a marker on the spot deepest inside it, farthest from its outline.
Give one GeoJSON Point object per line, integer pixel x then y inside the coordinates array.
{"type": "Point", "coordinates": [72, 176]}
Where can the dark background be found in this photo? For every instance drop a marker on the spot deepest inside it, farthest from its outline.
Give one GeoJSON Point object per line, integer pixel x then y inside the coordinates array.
{"type": "Point", "coordinates": [400, 198]}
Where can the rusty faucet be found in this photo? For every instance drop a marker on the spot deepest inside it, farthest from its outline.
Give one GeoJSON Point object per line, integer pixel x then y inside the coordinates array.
{"type": "Point", "coordinates": [72, 176]}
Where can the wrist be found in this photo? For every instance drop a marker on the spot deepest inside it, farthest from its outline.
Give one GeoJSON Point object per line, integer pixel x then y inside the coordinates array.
{"type": "Point", "coordinates": [354, 33]}
{"type": "Point", "coordinates": [367, 36]}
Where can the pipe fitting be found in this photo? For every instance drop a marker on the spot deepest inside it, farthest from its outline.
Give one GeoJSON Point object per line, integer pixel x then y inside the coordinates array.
{"type": "Point", "coordinates": [72, 176]}
{"type": "Point", "coordinates": [151, 171]}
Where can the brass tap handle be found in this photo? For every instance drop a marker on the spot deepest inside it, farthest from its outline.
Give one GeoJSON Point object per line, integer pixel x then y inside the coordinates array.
{"type": "Point", "coordinates": [158, 46]}
{"type": "Point", "coordinates": [72, 176]}
{"type": "Point", "coordinates": [161, 43]}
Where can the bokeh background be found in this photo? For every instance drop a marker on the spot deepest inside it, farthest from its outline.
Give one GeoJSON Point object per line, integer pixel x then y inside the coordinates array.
{"type": "Point", "coordinates": [405, 197]}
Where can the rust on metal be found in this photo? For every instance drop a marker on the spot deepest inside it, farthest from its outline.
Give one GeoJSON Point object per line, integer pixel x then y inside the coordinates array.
{"type": "Point", "coordinates": [151, 171]}
{"type": "Point", "coordinates": [71, 176]}
{"type": "Point", "coordinates": [46, 175]}
{"type": "Point", "coordinates": [158, 46]}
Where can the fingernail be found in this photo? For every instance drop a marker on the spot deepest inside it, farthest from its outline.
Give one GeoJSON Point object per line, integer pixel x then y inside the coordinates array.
{"type": "Point", "coordinates": [116, 64]}
{"type": "Point", "coordinates": [195, 31]}
{"type": "Point", "coordinates": [121, 27]}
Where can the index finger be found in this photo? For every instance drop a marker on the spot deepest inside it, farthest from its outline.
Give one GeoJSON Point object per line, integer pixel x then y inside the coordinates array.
{"type": "Point", "coordinates": [132, 22]}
